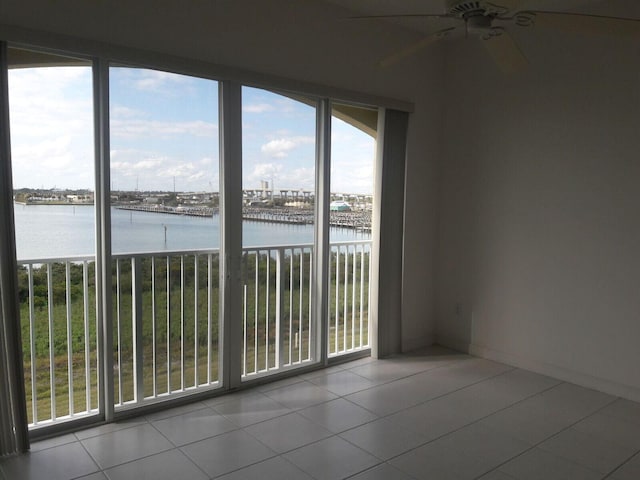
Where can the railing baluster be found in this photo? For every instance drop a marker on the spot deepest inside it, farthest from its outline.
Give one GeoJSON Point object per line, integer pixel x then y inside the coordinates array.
{"type": "Point", "coordinates": [136, 320]}
{"type": "Point", "coordinates": [32, 341]}
{"type": "Point", "coordinates": [244, 319]}
{"type": "Point", "coordinates": [87, 338]}
{"type": "Point", "coordinates": [182, 285]}
{"type": "Point", "coordinates": [168, 329]}
{"type": "Point", "coordinates": [337, 332]}
{"type": "Point", "coordinates": [154, 373]}
{"type": "Point", "coordinates": [361, 291]}
{"type": "Point", "coordinates": [209, 313]}
{"type": "Point", "coordinates": [353, 299]}
{"type": "Point", "coordinates": [329, 296]}
{"type": "Point", "coordinates": [52, 363]}
{"type": "Point", "coordinates": [67, 272]}
{"type": "Point", "coordinates": [98, 325]}
{"type": "Point", "coordinates": [309, 316]}
{"type": "Point", "coordinates": [368, 297]}
{"type": "Point", "coordinates": [291, 290]}
{"type": "Point", "coordinates": [301, 289]}
{"type": "Point", "coordinates": [279, 286]}
{"type": "Point", "coordinates": [118, 297]}
{"type": "Point", "coordinates": [196, 317]}
{"type": "Point", "coordinates": [267, 300]}
{"type": "Point", "coordinates": [255, 323]}
{"type": "Point", "coordinates": [345, 317]}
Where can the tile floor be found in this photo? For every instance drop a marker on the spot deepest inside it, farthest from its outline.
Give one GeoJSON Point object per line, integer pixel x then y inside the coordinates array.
{"type": "Point", "coordinates": [434, 414]}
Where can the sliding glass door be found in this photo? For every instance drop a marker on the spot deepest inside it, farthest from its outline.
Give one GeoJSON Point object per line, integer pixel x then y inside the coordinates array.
{"type": "Point", "coordinates": [51, 116]}
{"type": "Point", "coordinates": [165, 234]}
{"type": "Point", "coordinates": [278, 195]}
{"type": "Point", "coordinates": [353, 145]}
{"type": "Point", "coordinates": [135, 308]}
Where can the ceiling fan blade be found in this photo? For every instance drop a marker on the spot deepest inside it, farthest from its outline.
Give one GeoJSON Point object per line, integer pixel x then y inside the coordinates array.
{"type": "Point", "coordinates": [401, 15]}
{"type": "Point", "coordinates": [505, 52]}
{"type": "Point", "coordinates": [586, 24]}
{"type": "Point", "coordinates": [415, 47]}
{"type": "Point", "coordinates": [502, 7]}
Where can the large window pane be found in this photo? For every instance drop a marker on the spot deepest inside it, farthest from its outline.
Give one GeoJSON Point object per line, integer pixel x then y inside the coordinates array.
{"type": "Point", "coordinates": [51, 115]}
{"type": "Point", "coordinates": [278, 229]}
{"type": "Point", "coordinates": [353, 142]}
{"type": "Point", "coordinates": [165, 232]}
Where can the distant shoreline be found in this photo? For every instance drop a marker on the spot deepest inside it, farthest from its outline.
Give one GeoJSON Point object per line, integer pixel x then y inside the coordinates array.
{"type": "Point", "coordinates": [355, 220]}
{"type": "Point", "coordinates": [53, 202]}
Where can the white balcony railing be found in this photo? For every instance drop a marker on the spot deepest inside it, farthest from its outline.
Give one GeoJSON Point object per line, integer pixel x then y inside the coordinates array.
{"type": "Point", "coordinates": [278, 331]}
{"type": "Point", "coordinates": [349, 271]}
{"type": "Point", "coordinates": [165, 322]}
{"type": "Point", "coordinates": [59, 337]}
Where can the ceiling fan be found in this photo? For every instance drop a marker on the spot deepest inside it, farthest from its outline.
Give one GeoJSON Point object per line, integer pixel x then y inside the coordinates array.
{"type": "Point", "coordinates": [491, 22]}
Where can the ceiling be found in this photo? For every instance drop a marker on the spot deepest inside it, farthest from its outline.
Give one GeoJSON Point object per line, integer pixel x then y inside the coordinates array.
{"type": "Point", "coordinates": [618, 8]}
{"type": "Point", "coordinates": [507, 39]}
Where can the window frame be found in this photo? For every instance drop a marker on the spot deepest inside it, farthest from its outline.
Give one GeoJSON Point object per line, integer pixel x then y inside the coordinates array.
{"type": "Point", "coordinates": [230, 81]}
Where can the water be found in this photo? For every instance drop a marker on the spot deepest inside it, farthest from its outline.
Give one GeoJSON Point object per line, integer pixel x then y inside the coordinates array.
{"type": "Point", "coordinates": [44, 231]}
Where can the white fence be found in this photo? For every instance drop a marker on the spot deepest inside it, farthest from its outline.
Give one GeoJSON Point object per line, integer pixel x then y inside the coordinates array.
{"type": "Point", "coordinates": [166, 323]}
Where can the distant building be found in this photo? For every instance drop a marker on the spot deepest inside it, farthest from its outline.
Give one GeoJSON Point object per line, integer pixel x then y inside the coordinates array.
{"type": "Point", "coordinates": [79, 198]}
{"type": "Point", "coordinates": [339, 206]}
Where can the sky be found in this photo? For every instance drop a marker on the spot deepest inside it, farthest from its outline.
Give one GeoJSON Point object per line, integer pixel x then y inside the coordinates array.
{"type": "Point", "coordinates": [164, 129]}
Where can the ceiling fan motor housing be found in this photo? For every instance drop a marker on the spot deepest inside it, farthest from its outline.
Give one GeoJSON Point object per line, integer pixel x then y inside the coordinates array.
{"type": "Point", "coordinates": [477, 19]}
{"type": "Point", "coordinates": [464, 8]}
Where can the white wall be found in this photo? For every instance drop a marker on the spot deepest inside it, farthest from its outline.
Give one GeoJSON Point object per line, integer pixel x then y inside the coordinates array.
{"type": "Point", "coordinates": [539, 227]}
{"type": "Point", "coordinates": [296, 39]}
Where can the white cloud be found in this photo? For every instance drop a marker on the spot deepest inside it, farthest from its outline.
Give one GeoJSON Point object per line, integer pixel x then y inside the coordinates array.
{"type": "Point", "coordinates": [147, 164]}
{"type": "Point", "coordinates": [281, 176]}
{"type": "Point", "coordinates": [51, 113]}
{"type": "Point", "coordinates": [258, 108]}
{"type": "Point", "coordinates": [290, 106]}
{"type": "Point", "coordinates": [152, 171]}
{"type": "Point", "coordinates": [263, 171]}
{"type": "Point", "coordinates": [52, 136]}
{"type": "Point", "coordinates": [298, 178]}
{"type": "Point", "coordinates": [134, 167]}
{"type": "Point", "coordinates": [280, 148]}
{"type": "Point", "coordinates": [283, 132]}
{"type": "Point", "coordinates": [178, 170]}
{"type": "Point", "coordinates": [136, 128]}
{"type": "Point", "coordinates": [37, 152]}
{"type": "Point", "coordinates": [156, 80]}
{"type": "Point", "coordinates": [119, 111]}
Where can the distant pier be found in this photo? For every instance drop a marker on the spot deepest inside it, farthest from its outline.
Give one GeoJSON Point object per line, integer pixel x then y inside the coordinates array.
{"type": "Point", "coordinates": [357, 219]}
{"type": "Point", "coordinates": [278, 215]}
{"type": "Point", "coordinates": [190, 211]}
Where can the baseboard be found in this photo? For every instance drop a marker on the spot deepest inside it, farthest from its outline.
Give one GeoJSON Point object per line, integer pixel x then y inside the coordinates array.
{"type": "Point", "coordinates": [585, 380]}
{"type": "Point", "coordinates": [417, 343]}
{"type": "Point", "coordinates": [452, 343]}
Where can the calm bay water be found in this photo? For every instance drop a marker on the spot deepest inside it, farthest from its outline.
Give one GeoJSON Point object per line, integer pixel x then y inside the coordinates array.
{"type": "Point", "coordinates": [44, 231]}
